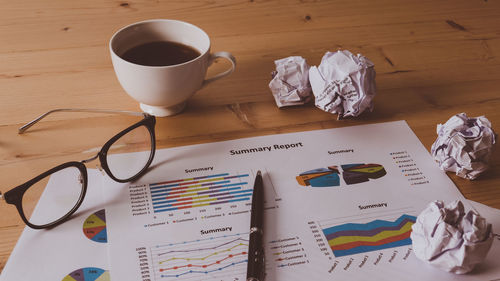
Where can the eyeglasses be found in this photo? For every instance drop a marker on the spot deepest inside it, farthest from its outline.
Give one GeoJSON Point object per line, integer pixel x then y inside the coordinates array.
{"type": "Point", "coordinates": [39, 209]}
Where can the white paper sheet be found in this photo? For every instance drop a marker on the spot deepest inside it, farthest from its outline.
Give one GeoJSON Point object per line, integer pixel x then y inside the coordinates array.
{"type": "Point", "coordinates": [491, 215]}
{"type": "Point", "coordinates": [64, 252]}
{"type": "Point", "coordinates": [322, 188]}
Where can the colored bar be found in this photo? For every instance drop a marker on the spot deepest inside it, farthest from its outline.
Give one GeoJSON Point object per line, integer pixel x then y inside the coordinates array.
{"type": "Point", "coordinates": [198, 199]}
{"type": "Point", "coordinates": [164, 188]}
{"type": "Point", "coordinates": [211, 195]}
{"type": "Point", "coordinates": [193, 206]}
{"type": "Point", "coordinates": [197, 181]}
{"type": "Point", "coordinates": [188, 179]}
{"type": "Point", "coordinates": [226, 191]}
{"type": "Point", "coordinates": [231, 192]}
{"type": "Point", "coordinates": [167, 195]}
{"type": "Point", "coordinates": [198, 191]}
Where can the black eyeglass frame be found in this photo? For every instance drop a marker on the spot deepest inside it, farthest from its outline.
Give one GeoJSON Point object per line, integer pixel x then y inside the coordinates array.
{"type": "Point", "coordinates": [149, 122]}
{"type": "Point", "coordinates": [15, 195]}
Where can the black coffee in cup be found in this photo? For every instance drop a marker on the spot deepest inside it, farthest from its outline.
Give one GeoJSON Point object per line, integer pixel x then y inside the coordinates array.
{"type": "Point", "coordinates": [158, 73]}
{"type": "Point", "coordinates": [160, 53]}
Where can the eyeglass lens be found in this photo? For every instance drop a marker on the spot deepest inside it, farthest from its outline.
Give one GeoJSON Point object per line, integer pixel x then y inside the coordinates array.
{"type": "Point", "coordinates": [137, 144]}
{"type": "Point", "coordinates": [46, 201]}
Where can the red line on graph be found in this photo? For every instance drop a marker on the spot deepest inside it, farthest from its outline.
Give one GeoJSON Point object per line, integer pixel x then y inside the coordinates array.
{"type": "Point", "coordinates": [203, 265]}
{"type": "Point", "coordinates": [181, 203]}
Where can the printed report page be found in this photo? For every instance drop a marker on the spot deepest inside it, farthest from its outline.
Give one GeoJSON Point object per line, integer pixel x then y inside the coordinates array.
{"type": "Point", "coordinates": [339, 203]}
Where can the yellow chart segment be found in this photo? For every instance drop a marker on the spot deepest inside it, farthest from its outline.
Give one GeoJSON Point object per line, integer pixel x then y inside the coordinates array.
{"type": "Point", "coordinates": [104, 277]}
{"type": "Point", "coordinates": [191, 190]}
{"type": "Point", "coordinates": [377, 237]}
{"type": "Point", "coordinates": [93, 221]}
{"type": "Point", "coordinates": [184, 188]}
{"type": "Point", "coordinates": [367, 170]}
{"type": "Point", "coordinates": [194, 192]}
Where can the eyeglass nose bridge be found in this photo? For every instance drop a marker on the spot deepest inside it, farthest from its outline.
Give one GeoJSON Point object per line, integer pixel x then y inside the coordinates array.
{"type": "Point", "coordinates": [98, 165]}
{"type": "Point", "coordinates": [90, 159]}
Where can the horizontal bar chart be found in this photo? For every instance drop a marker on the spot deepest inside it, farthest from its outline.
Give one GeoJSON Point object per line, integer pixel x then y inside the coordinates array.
{"type": "Point", "coordinates": [199, 191]}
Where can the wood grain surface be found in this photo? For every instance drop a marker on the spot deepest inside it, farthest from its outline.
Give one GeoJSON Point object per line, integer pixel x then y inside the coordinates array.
{"type": "Point", "coordinates": [433, 59]}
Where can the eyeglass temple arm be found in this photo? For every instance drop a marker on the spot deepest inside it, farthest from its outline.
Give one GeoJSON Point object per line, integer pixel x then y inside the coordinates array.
{"type": "Point", "coordinates": [33, 122]}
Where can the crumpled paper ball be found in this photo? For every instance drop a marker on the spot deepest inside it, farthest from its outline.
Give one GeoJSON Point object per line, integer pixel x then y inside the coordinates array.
{"type": "Point", "coordinates": [450, 239]}
{"type": "Point", "coordinates": [464, 145]}
{"type": "Point", "coordinates": [290, 83]}
{"type": "Point", "coordinates": [343, 83]}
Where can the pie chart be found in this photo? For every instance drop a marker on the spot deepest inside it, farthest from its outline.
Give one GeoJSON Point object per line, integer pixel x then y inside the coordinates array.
{"type": "Point", "coordinates": [94, 227]}
{"type": "Point", "coordinates": [357, 173]}
{"type": "Point", "coordinates": [351, 173]}
{"type": "Point", "coordinates": [322, 177]}
{"type": "Point", "coordinates": [88, 274]}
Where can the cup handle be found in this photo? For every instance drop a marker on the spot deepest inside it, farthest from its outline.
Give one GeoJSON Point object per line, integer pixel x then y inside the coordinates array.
{"type": "Point", "coordinates": [213, 57]}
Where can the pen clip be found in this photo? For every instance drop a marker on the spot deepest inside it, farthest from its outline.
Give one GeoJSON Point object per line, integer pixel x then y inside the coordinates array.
{"type": "Point", "coordinates": [256, 230]}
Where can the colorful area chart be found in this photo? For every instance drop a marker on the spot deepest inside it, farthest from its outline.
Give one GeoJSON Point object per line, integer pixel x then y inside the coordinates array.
{"type": "Point", "coordinates": [351, 173]}
{"type": "Point", "coordinates": [354, 238]}
{"type": "Point", "coordinates": [88, 274]}
{"type": "Point", "coordinates": [94, 227]}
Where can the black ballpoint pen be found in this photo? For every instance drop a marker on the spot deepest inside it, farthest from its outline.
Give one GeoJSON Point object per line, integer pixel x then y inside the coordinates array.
{"type": "Point", "coordinates": [256, 263]}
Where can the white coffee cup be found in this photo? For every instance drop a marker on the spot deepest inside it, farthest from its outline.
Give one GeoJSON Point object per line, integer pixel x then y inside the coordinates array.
{"type": "Point", "coordinates": [164, 90]}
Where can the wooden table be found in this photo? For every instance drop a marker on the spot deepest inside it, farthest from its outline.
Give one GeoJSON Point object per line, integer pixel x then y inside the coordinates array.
{"type": "Point", "coordinates": [433, 59]}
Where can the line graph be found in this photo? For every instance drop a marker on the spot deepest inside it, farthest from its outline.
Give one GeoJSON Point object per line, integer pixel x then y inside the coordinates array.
{"type": "Point", "coordinates": [208, 256]}
{"type": "Point", "coordinates": [216, 257]}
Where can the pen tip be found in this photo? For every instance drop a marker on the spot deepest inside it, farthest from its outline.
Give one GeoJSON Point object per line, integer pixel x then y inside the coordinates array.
{"type": "Point", "coordinates": [259, 173]}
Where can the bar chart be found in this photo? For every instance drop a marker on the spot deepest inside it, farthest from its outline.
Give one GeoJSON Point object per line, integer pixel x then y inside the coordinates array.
{"type": "Point", "coordinates": [199, 191]}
